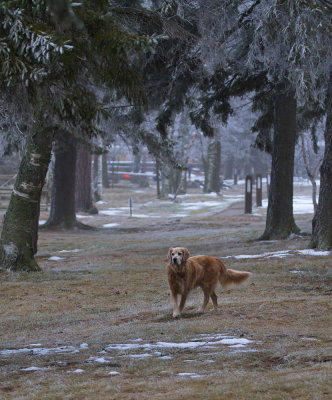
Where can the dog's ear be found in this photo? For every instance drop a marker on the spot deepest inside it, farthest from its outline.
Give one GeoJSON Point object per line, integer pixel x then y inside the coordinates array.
{"type": "Point", "coordinates": [186, 254]}
{"type": "Point", "coordinates": [169, 254]}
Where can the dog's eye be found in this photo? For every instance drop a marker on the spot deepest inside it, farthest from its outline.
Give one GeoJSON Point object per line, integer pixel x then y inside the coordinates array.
{"type": "Point", "coordinates": [172, 254]}
{"type": "Point", "coordinates": [180, 254]}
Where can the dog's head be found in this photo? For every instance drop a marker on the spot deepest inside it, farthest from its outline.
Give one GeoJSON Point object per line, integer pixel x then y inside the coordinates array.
{"type": "Point", "coordinates": [178, 255]}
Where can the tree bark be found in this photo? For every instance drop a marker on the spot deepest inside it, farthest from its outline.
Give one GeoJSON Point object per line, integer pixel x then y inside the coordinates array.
{"type": "Point", "coordinates": [322, 221]}
{"type": "Point", "coordinates": [280, 220]}
{"type": "Point", "coordinates": [97, 178]}
{"type": "Point", "coordinates": [62, 213]}
{"type": "Point", "coordinates": [212, 182]}
{"type": "Point", "coordinates": [20, 226]}
{"type": "Point", "coordinates": [105, 178]}
{"type": "Point", "coordinates": [83, 192]}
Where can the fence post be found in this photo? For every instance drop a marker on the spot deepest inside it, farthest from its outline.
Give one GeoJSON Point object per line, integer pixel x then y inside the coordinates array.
{"type": "Point", "coordinates": [248, 195]}
{"type": "Point", "coordinates": [259, 195]}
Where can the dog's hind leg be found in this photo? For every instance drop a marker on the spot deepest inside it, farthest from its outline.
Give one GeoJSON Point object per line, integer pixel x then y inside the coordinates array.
{"type": "Point", "coordinates": [206, 299]}
{"type": "Point", "coordinates": [214, 299]}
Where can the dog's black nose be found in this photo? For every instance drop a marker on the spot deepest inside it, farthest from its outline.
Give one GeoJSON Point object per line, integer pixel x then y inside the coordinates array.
{"type": "Point", "coordinates": [175, 260]}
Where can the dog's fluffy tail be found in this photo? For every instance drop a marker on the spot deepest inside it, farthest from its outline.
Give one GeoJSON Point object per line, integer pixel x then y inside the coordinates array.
{"type": "Point", "coordinates": [230, 277]}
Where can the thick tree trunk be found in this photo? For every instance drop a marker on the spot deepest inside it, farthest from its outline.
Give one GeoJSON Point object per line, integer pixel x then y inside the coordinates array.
{"type": "Point", "coordinates": [280, 220]}
{"type": "Point", "coordinates": [212, 183]}
{"type": "Point", "coordinates": [83, 181]}
{"type": "Point", "coordinates": [62, 214]}
{"type": "Point", "coordinates": [322, 222]}
{"type": "Point", "coordinates": [20, 226]}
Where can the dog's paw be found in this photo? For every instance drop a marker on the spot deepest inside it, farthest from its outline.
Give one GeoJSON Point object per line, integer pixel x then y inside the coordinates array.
{"type": "Point", "coordinates": [176, 314]}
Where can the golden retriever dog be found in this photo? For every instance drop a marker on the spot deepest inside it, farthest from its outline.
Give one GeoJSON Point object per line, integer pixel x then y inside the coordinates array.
{"type": "Point", "coordinates": [186, 273]}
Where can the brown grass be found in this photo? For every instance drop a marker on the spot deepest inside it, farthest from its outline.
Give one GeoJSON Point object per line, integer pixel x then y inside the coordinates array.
{"type": "Point", "coordinates": [115, 290]}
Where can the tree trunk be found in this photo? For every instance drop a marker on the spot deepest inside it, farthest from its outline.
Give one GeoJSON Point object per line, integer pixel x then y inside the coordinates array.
{"type": "Point", "coordinates": [280, 220]}
{"type": "Point", "coordinates": [97, 179]}
{"type": "Point", "coordinates": [322, 222]}
{"type": "Point", "coordinates": [83, 181]}
{"type": "Point", "coordinates": [105, 178]}
{"type": "Point", "coordinates": [20, 226]}
{"type": "Point", "coordinates": [62, 214]}
{"type": "Point", "coordinates": [212, 183]}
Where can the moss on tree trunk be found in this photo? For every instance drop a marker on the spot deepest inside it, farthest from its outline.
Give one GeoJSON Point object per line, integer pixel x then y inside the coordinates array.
{"type": "Point", "coordinates": [18, 237]}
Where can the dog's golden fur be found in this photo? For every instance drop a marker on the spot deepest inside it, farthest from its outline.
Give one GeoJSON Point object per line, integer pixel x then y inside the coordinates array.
{"type": "Point", "coordinates": [186, 273]}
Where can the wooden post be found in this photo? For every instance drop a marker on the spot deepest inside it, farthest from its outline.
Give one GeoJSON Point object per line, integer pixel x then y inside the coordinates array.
{"type": "Point", "coordinates": [259, 190]}
{"type": "Point", "coordinates": [248, 195]}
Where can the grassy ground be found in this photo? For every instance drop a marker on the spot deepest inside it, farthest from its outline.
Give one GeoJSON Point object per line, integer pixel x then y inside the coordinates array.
{"type": "Point", "coordinates": [114, 291]}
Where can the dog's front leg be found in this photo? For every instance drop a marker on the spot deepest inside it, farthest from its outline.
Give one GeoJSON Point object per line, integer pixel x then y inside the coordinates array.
{"type": "Point", "coordinates": [175, 305]}
{"type": "Point", "coordinates": [183, 300]}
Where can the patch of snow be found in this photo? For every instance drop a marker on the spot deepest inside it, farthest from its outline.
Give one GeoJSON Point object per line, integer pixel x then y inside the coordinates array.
{"type": "Point", "coordinates": [84, 216]}
{"type": "Point", "coordinates": [114, 211]}
{"type": "Point", "coordinates": [98, 360]}
{"type": "Point", "coordinates": [301, 205]}
{"type": "Point", "coordinates": [282, 254]}
{"type": "Point", "coordinates": [110, 225]}
{"type": "Point", "coordinates": [41, 351]}
{"type": "Point", "coordinates": [35, 369]}
{"type": "Point", "coordinates": [42, 222]}
{"type": "Point", "coordinates": [297, 272]}
{"type": "Point", "coordinates": [207, 342]}
{"type": "Point", "coordinates": [70, 251]}
{"type": "Point", "coordinates": [77, 371]}
{"type": "Point", "coordinates": [101, 202]}
{"type": "Point", "coordinates": [34, 345]}
{"type": "Point", "coordinates": [55, 258]}
{"type": "Point", "coordinates": [190, 375]}
{"type": "Point", "coordinates": [84, 346]}
{"type": "Point", "coordinates": [114, 373]}
{"type": "Point", "coordinates": [312, 252]}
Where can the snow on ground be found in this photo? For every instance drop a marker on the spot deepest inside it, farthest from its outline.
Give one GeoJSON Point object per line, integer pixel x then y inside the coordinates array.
{"type": "Point", "coordinates": [283, 253]}
{"type": "Point", "coordinates": [138, 350]}
{"type": "Point", "coordinates": [70, 251]}
{"type": "Point", "coordinates": [301, 205]}
{"type": "Point", "coordinates": [201, 342]}
{"type": "Point", "coordinates": [41, 351]}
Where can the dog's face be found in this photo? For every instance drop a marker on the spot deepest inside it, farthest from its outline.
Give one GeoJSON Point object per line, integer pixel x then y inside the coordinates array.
{"type": "Point", "coordinates": [178, 255]}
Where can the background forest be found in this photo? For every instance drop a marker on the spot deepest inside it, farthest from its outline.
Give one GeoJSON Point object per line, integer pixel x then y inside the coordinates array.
{"type": "Point", "coordinates": [165, 76]}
